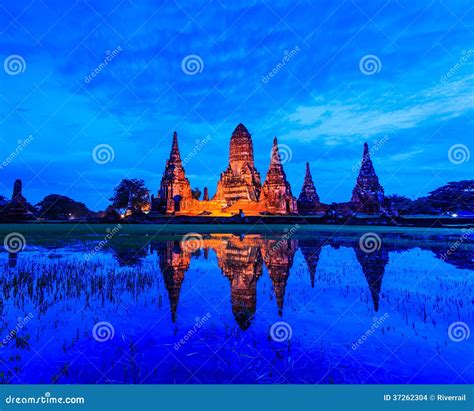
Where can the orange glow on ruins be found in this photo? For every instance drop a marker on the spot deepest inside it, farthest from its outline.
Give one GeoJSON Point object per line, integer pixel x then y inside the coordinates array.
{"type": "Point", "coordinates": [239, 188]}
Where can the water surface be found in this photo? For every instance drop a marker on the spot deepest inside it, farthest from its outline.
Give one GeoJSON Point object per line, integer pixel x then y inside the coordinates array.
{"type": "Point", "coordinates": [235, 305]}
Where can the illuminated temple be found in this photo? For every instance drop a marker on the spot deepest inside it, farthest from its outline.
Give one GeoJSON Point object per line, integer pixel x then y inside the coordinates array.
{"type": "Point", "coordinates": [240, 190]}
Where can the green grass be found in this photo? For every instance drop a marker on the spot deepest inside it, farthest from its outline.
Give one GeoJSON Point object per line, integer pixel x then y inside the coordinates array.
{"type": "Point", "coordinates": [70, 230]}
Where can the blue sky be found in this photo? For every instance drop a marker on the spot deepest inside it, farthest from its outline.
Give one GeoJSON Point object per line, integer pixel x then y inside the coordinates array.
{"type": "Point", "coordinates": [319, 103]}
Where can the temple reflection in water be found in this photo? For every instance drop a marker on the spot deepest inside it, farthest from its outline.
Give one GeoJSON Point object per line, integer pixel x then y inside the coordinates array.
{"type": "Point", "coordinates": [153, 289]}
{"type": "Point", "coordinates": [243, 260]}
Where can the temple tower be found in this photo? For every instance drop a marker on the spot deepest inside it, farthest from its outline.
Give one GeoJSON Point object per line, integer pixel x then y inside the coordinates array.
{"type": "Point", "coordinates": [308, 200]}
{"type": "Point", "coordinates": [276, 191]}
{"type": "Point", "coordinates": [175, 190]}
{"type": "Point", "coordinates": [18, 207]}
{"type": "Point", "coordinates": [241, 180]}
{"type": "Point", "coordinates": [368, 194]}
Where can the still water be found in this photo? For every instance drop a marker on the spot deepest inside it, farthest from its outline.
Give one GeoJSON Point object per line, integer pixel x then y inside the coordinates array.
{"type": "Point", "coordinates": [306, 305]}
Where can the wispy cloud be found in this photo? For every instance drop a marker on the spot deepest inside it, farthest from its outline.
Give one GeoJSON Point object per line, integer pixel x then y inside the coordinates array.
{"type": "Point", "coordinates": [337, 122]}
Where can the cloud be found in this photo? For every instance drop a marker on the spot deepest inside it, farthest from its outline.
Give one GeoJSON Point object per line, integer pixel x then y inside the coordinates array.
{"type": "Point", "coordinates": [339, 121]}
{"type": "Point", "coordinates": [405, 156]}
{"type": "Point", "coordinates": [319, 96]}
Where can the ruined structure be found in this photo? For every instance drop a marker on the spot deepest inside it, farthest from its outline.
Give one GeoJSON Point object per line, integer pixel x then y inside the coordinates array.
{"type": "Point", "coordinates": [239, 188]}
{"type": "Point", "coordinates": [368, 194]}
{"type": "Point", "coordinates": [240, 192]}
{"type": "Point", "coordinates": [276, 191]}
{"type": "Point", "coordinates": [18, 207]}
{"type": "Point", "coordinates": [239, 185]}
{"type": "Point", "coordinates": [174, 195]}
{"type": "Point", "coordinates": [308, 200]}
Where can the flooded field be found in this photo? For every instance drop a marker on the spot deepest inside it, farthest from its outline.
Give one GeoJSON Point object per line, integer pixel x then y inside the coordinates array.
{"type": "Point", "coordinates": [153, 304]}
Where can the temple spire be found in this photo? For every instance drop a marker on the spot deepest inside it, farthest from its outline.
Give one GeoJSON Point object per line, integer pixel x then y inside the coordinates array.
{"type": "Point", "coordinates": [275, 153]}
{"type": "Point", "coordinates": [308, 200]}
{"type": "Point", "coordinates": [241, 149]}
{"type": "Point", "coordinates": [175, 155]}
{"type": "Point", "coordinates": [366, 151]}
{"type": "Point", "coordinates": [276, 191]}
{"type": "Point", "coordinates": [175, 190]}
{"type": "Point", "coordinates": [368, 194]}
{"type": "Point", "coordinates": [240, 182]}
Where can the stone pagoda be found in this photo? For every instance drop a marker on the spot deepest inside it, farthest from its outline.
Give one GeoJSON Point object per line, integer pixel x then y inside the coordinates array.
{"type": "Point", "coordinates": [368, 194]}
{"type": "Point", "coordinates": [18, 208]}
{"type": "Point", "coordinates": [308, 201]}
{"type": "Point", "coordinates": [276, 191]}
{"type": "Point", "coordinates": [174, 195]}
{"type": "Point", "coordinates": [240, 182]}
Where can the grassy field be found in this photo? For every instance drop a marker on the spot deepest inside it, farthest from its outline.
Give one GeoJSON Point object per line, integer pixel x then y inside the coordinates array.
{"type": "Point", "coordinates": [70, 229]}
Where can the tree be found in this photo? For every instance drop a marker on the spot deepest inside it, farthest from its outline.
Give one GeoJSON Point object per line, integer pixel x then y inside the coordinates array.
{"type": "Point", "coordinates": [401, 204]}
{"type": "Point", "coordinates": [134, 187]}
{"type": "Point", "coordinates": [453, 197]}
{"type": "Point", "coordinates": [196, 193]}
{"type": "Point", "coordinates": [58, 207]}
